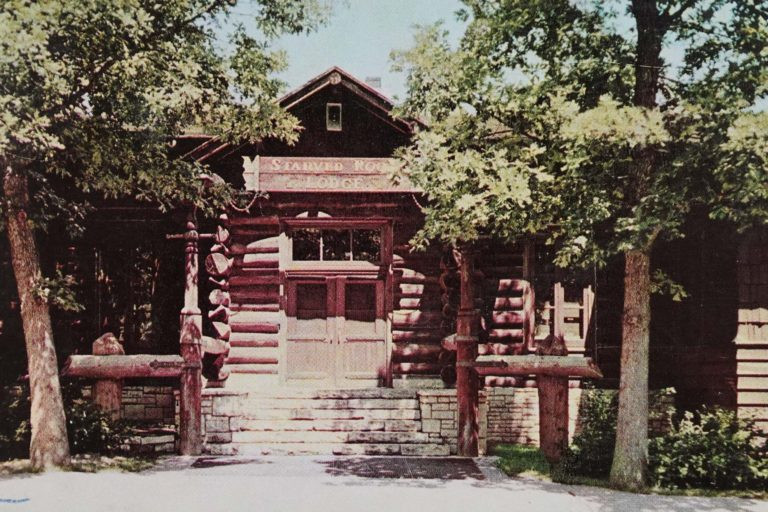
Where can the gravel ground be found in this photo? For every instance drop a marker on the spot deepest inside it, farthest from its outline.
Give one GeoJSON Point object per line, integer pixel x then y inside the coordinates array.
{"type": "Point", "coordinates": [367, 484]}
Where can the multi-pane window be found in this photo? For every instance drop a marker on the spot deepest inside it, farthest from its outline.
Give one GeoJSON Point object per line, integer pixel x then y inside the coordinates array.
{"type": "Point", "coordinates": [314, 244]}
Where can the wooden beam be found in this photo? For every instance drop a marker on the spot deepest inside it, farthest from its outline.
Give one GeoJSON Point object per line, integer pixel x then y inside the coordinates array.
{"type": "Point", "coordinates": [123, 367]}
{"type": "Point", "coordinates": [467, 381]}
{"type": "Point", "coordinates": [559, 366]}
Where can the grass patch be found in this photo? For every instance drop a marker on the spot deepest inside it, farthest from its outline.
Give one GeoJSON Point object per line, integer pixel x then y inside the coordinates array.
{"type": "Point", "coordinates": [528, 461]}
{"type": "Point", "coordinates": [521, 460]}
{"type": "Point", "coordinates": [93, 463]}
{"type": "Point", "coordinates": [86, 463]}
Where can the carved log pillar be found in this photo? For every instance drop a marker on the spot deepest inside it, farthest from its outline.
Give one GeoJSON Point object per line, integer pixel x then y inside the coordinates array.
{"type": "Point", "coordinates": [467, 380]}
{"type": "Point", "coordinates": [553, 403]}
{"type": "Point", "coordinates": [191, 336]}
{"type": "Point", "coordinates": [108, 393]}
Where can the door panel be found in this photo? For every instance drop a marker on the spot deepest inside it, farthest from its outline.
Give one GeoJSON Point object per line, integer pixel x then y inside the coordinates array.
{"type": "Point", "coordinates": [310, 353]}
{"type": "Point", "coordinates": [362, 333]}
{"type": "Point", "coordinates": [336, 332]}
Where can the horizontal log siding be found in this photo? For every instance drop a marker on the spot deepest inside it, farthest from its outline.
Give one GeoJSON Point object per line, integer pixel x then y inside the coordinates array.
{"type": "Point", "coordinates": [752, 335]}
{"type": "Point", "coordinates": [417, 320]}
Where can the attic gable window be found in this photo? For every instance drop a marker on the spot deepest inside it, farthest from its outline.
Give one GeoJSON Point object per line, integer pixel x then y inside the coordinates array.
{"type": "Point", "coordinates": [333, 117]}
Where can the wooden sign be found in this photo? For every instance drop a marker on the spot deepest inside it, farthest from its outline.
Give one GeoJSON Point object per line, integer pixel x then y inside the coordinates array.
{"type": "Point", "coordinates": [307, 174]}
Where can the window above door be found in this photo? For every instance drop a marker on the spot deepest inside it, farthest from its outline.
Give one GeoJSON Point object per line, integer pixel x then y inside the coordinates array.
{"type": "Point", "coordinates": [343, 243]}
{"type": "Point", "coordinates": [331, 244]}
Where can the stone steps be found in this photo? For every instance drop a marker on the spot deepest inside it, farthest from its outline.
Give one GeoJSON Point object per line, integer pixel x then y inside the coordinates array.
{"type": "Point", "coordinates": [333, 414]}
{"type": "Point", "coordinates": [413, 450]}
{"type": "Point", "coordinates": [291, 421]}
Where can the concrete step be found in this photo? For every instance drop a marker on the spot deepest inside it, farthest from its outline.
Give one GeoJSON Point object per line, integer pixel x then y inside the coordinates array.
{"type": "Point", "coordinates": [334, 414]}
{"type": "Point", "coordinates": [246, 424]}
{"type": "Point", "coordinates": [329, 436]}
{"type": "Point", "coordinates": [254, 404]}
{"type": "Point", "coordinates": [328, 449]}
{"type": "Point", "coordinates": [309, 425]}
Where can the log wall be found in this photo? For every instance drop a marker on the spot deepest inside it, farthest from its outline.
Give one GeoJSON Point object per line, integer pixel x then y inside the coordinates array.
{"type": "Point", "coordinates": [751, 343]}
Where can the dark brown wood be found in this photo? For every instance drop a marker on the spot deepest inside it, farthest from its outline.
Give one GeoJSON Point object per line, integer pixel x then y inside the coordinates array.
{"type": "Point", "coordinates": [191, 384]}
{"type": "Point", "coordinates": [214, 346]}
{"type": "Point", "coordinates": [559, 366]}
{"type": "Point", "coordinates": [219, 298]}
{"type": "Point", "coordinates": [123, 367]}
{"type": "Point", "coordinates": [218, 265]}
{"type": "Point", "coordinates": [529, 316]}
{"type": "Point", "coordinates": [222, 235]}
{"type": "Point", "coordinates": [553, 403]}
{"type": "Point", "coordinates": [553, 416]}
{"type": "Point", "coordinates": [467, 381]}
{"type": "Point", "coordinates": [223, 331]}
{"type": "Point", "coordinates": [108, 393]}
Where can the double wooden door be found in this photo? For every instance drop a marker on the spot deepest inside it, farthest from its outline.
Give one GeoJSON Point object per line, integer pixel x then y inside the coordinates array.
{"type": "Point", "coordinates": [336, 332]}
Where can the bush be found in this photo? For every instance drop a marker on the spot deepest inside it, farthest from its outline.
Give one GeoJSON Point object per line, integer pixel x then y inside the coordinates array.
{"type": "Point", "coordinates": [15, 431]}
{"type": "Point", "coordinates": [89, 430]}
{"type": "Point", "coordinates": [591, 451]}
{"type": "Point", "coordinates": [712, 449]}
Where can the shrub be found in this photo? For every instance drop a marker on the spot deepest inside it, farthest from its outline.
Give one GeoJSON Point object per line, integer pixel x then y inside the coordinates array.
{"type": "Point", "coordinates": [89, 429]}
{"type": "Point", "coordinates": [712, 449]}
{"type": "Point", "coordinates": [591, 451]}
{"type": "Point", "coordinates": [15, 430]}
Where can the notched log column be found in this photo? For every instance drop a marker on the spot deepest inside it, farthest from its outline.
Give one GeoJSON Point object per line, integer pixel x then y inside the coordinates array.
{"type": "Point", "coordinates": [218, 265]}
{"type": "Point", "coordinates": [467, 380]}
{"type": "Point", "coordinates": [191, 341]}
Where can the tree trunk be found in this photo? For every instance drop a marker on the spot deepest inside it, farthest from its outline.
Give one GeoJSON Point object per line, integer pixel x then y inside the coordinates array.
{"type": "Point", "coordinates": [630, 457]}
{"type": "Point", "coordinates": [49, 446]}
{"type": "Point", "coordinates": [630, 453]}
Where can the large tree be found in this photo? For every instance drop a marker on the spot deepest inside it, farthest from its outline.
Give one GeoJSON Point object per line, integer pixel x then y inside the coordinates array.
{"type": "Point", "coordinates": [91, 93]}
{"type": "Point", "coordinates": [603, 123]}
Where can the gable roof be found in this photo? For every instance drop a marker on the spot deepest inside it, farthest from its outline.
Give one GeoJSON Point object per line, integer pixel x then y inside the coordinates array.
{"type": "Point", "coordinates": [200, 146]}
{"type": "Point", "coordinates": [335, 75]}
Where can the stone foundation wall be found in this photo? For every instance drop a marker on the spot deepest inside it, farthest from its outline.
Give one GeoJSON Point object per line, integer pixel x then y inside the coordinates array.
{"type": "Point", "coordinates": [151, 404]}
{"type": "Point", "coordinates": [511, 415]}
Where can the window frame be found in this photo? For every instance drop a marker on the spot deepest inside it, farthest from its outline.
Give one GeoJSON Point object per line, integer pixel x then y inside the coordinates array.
{"type": "Point", "coordinates": [341, 266]}
{"type": "Point", "coordinates": [328, 126]}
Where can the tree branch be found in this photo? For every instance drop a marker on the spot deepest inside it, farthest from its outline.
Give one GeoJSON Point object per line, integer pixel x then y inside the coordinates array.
{"type": "Point", "coordinates": [139, 48]}
{"type": "Point", "coordinates": [668, 18]}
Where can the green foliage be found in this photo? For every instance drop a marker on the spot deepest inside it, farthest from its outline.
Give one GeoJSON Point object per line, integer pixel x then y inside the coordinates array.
{"type": "Point", "coordinates": [516, 460]}
{"type": "Point", "coordinates": [58, 291]}
{"type": "Point", "coordinates": [539, 98]}
{"type": "Point", "coordinates": [591, 451]}
{"type": "Point", "coordinates": [712, 448]}
{"type": "Point", "coordinates": [89, 430]}
{"type": "Point", "coordinates": [15, 430]}
{"type": "Point", "coordinates": [662, 284]}
{"type": "Point", "coordinates": [92, 431]}
{"type": "Point", "coordinates": [95, 91]}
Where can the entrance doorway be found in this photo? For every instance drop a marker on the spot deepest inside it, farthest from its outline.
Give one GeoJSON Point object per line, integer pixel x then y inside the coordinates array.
{"type": "Point", "coordinates": [336, 332]}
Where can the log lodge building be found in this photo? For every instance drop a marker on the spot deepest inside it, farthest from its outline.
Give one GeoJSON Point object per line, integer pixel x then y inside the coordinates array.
{"type": "Point", "coordinates": [323, 332]}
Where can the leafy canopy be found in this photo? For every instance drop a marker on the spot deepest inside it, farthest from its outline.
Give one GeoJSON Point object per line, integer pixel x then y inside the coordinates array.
{"type": "Point", "coordinates": [93, 91]}
{"type": "Point", "coordinates": [533, 123]}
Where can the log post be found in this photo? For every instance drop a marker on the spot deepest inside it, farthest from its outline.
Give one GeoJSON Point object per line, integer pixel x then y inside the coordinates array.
{"type": "Point", "coordinates": [558, 322]}
{"type": "Point", "coordinates": [553, 404]}
{"type": "Point", "coordinates": [108, 393]}
{"type": "Point", "coordinates": [190, 343]}
{"type": "Point", "coordinates": [467, 380]}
